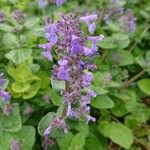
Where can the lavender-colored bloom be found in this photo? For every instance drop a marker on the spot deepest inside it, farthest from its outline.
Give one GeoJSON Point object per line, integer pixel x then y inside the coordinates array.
{"type": "Point", "coordinates": [42, 3]}
{"type": "Point", "coordinates": [4, 95]}
{"type": "Point", "coordinates": [2, 17]}
{"type": "Point", "coordinates": [77, 45]}
{"type": "Point", "coordinates": [47, 131]}
{"type": "Point", "coordinates": [90, 21]}
{"type": "Point", "coordinates": [60, 2]}
{"type": "Point", "coordinates": [47, 53]}
{"type": "Point", "coordinates": [51, 37]}
{"type": "Point", "coordinates": [63, 62]}
{"type": "Point", "coordinates": [92, 28]}
{"type": "Point", "coordinates": [88, 117]}
{"type": "Point", "coordinates": [18, 16]}
{"type": "Point", "coordinates": [2, 80]}
{"type": "Point", "coordinates": [47, 143]}
{"type": "Point", "coordinates": [71, 49]}
{"type": "Point", "coordinates": [63, 74]}
{"type": "Point", "coordinates": [7, 109]}
{"type": "Point", "coordinates": [15, 145]}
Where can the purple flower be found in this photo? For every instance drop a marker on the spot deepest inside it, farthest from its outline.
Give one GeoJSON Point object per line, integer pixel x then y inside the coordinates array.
{"type": "Point", "coordinates": [47, 131]}
{"type": "Point", "coordinates": [77, 45]}
{"type": "Point", "coordinates": [2, 80]}
{"type": "Point", "coordinates": [42, 3]}
{"type": "Point", "coordinates": [90, 21]}
{"type": "Point", "coordinates": [15, 145]}
{"type": "Point", "coordinates": [88, 117]}
{"type": "Point", "coordinates": [4, 95]}
{"type": "Point", "coordinates": [60, 2]}
{"type": "Point", "coordinates": [51, 37]}
{"type": "Point", "coordinates": [88, 51]}
{"type": "Point", "coordinates": [47, 54]}
{"type": "Point", "coordinates": [18, 16]}
{"type": "Point", "coordinates": [63, 62]}
{"type": "Point", "coordinates": [92, 28]}
{"type": "Point", "coordinates": [2, 17]}
{"type": "Point", "coordinates": [63, 74]}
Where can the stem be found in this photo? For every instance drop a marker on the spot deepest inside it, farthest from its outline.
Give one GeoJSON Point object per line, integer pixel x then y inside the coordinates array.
{"type": "Point", "coordinates": [127, 83]}
{"type": "Point", "coordinates": [102, 12]}
{"type": "Point", "coordinates": [142, 34]}
{"type": "Point", "coordinates": [104, 56]}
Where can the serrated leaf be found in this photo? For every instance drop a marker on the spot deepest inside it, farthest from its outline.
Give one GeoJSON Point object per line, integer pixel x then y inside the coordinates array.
{"type": "Point", "coordinates": [44, 123]}
{"type": "Point", "coordinates": [58, 85]}
{"type": "Point", "coordinates": [118, 133]}
{"type": "Point", "coordinates": [102, 102]}
{"type": "Point", "coordinates": [93, 143]}
{"type": "Point", "coordinates": [77, 142]}
{"type": "Point", "coordinates": [65, 141]}
{"type": "Point", "coordinates": [144, 85]}
{"type": "Point", "coordinates": [10, 40]}
{"type": "Point", "coordinates": [126, 58]}
{"type": "Point", "coordinates": [18, 56]}
{"type": "Point", "coordinates": [31, 22]}
{"type": "Point", "coordinates": [25, 136]}
{"type": "Point", "coordinates": [5, 27]}
{"type": "Point", "coordinates": [57, 99]}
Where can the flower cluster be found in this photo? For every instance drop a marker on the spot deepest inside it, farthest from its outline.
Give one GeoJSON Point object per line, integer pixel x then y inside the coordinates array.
{"type": "Point", "coordinates": [71, 49]}
{"type": "Point", "coordinates": [3, 94]}
{"type": "Point", "coordinates": [15, 145]}
{"type": "Point", "coordinates": [2, 17]}
{"type": "Point", "coordinates": [44, 3]}
{"type": "Point", "coordinates": [18, 16]}
{"type": "Point", "coordinates": [125, 18]}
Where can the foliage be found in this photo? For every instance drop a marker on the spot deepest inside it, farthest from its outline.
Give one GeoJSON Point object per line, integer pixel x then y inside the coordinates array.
{"type": "Point", "coordinates": [121, 81]}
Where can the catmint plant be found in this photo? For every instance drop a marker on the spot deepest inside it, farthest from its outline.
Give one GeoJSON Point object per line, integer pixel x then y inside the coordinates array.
{"type": "Point", "coordinates": [72, 67]}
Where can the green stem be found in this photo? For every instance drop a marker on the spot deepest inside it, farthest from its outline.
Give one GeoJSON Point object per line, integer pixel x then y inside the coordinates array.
{"type": "Point", "coordinates": [102, 13]}
{"type": "Point", "coordinates": [142, 35]}
{"type": "Point", "coordinates": [127, 83]}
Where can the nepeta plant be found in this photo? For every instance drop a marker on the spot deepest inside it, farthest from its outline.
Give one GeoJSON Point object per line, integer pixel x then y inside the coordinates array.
{"type": "Point", "coordinates": [73, 66]}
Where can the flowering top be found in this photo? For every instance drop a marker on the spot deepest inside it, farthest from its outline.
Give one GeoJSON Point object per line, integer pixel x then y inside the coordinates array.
{"type": "Point", "coordinates": [71, 48]}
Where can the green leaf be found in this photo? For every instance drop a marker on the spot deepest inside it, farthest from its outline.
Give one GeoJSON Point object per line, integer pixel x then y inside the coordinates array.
{"type": "Point", "coordinates": [5, 27]}
{"type": "Point", "coordinates": [58, 85]}
{"type": "Point", "coordinates": [117, 40]}
{"type": "Point", "coordinates": [118, 133]}
{"type": "Point", "coordinates": [65, 141]}
{"type": "Point", "coordinates": [77, 142]}
{"type": "Point", "coordinates": [57, 99]}
{"type": "Point", "coordinates": [12, 123]}
{"type": "Point", "coordinates": [10, 40]}
{"type": "Point", "coordinates": [18, 56]}
{"type": "Point", "coordinates": [26, 137]}
{"type": "Point", "coordinates": [144, 85]}
{"type": "Point", "coordinates": [126, 58]}
{"type": "Point", "coordinates": [45, 121]}
{"type": "Point", "coordinates": [32, 22]}
{"type": "Point", "coordinates": [102, 102]}
{"type": "Point", "coordinates": [121, 39]}
{"type": "Point", "coordinates": [20, 87]}
{"type": "Point", "coordinates": [94, 143]}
